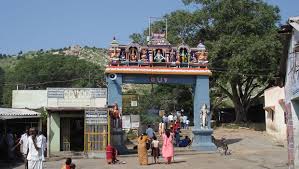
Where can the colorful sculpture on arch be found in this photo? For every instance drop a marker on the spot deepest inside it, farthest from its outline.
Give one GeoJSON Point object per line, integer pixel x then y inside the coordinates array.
{"type": "Point", "coordinates": [158, 52]}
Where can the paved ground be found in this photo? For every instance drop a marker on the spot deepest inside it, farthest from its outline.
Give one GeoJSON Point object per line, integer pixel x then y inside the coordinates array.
{"type": "Point", "coordinates": [250, 150]}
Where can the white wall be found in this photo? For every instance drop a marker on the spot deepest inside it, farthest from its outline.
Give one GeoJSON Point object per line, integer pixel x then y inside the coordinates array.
{"type": "Point", "coordinates": [292, 95]}
{"type": "Point", "coordinates": [32, 99]}
{"type": "Point", "coordinates": [276, 127]}
{"type": "Point", "coordinates": [65, 97]}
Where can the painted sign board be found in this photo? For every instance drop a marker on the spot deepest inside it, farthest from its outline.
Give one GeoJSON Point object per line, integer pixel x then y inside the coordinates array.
{"type": "Point", "coordinates": [135, 121]}
{"type": "Point", "coordinates": [130, 121]}
{"type": "Point", "coordinates": [76, 97]}
{"type": "Point", "coordinates": [72, 93]}
{"type": "Point", "coordinates": [126, 121]}
{"type": "Point", "coordinates": [96, 117]}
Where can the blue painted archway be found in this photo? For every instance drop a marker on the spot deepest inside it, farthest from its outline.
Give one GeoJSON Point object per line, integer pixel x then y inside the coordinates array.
{"type": "Point", "coordinates": [202, 135]}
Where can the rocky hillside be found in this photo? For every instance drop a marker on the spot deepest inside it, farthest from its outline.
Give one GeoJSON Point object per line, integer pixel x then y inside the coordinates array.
{"type": "Point", "coordinates": [92, 54]}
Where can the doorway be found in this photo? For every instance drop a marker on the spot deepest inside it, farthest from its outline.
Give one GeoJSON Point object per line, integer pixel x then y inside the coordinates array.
{"type": "Point", "coordinates": [72, 134]}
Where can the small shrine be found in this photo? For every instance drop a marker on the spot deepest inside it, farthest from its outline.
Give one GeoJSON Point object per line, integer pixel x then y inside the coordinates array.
{"type": "Point", "coordinates": [158, 56]}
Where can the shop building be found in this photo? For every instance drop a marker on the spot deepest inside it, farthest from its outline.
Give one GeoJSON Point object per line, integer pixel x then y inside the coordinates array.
{"type": "Point", "coordinates": [77, 117]}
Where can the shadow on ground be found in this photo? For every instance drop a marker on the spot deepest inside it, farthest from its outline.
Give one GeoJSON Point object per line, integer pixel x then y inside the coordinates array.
{"type": "Point", "coordinates": [232, 141]}
{"type": "Point", "coordinates": [164, 163]}
{"type": "Point", "coordinates": [10, 165]}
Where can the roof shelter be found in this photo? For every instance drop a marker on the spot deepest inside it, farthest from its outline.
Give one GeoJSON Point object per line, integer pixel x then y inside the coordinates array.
{"type": "Point", "coordinates": [9, 113]}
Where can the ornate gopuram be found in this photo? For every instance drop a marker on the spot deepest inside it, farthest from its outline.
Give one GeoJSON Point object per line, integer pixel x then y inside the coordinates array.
{"type": "Point", "coordinates": [159, 62]}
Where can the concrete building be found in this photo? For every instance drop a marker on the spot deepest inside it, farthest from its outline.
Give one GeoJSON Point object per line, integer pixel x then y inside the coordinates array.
{"type": "Point", "coordinates": [77, 117]}
{"type": "Point", "coordinates": [275, 115]}
{"type": "Point", "coordinates": [33, 99]}
{"type": "Point", "coordinates": [291, 31]}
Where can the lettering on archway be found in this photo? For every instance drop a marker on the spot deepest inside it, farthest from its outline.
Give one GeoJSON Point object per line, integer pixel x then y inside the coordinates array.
{"type": "Point", "coordinates": [158, 79]}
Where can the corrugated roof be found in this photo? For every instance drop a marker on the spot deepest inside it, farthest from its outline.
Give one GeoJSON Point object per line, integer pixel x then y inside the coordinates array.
{"type": "Point", "coordinates": [9, 113]}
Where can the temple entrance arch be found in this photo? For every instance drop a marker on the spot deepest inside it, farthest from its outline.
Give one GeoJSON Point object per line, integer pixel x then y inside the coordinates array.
{"type": "Point", "coordinates": [192, 71]}
{"type": "Point", "coordinates": [200, 83]}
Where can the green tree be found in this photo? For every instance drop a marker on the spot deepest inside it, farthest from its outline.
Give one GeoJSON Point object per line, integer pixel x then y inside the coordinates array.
{"type": "Point", "coordinates": [242, 38]}
{"type": "Point", "coordinates": [183, 26]}
{"type": "Point", "coordinates": [137, 38]}
{"type": "Point", "coordinates": [243, 44]}
{"type": "Point", "coordinates": [47, 70]}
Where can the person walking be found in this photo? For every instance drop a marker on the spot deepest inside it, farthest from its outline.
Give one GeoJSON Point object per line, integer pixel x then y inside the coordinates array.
{"type": "Point", "coordinates": [161, 128]}
{"type": "Point", "coordinates": [184, 121]}
{"type": "Point", "coordinates": [155, 149]}
{"type": "Point", "coordinates": [170, 118]}
{"type": "Point", "coordinates": [24, 145]}
{"type": "Point", "coordinates": [165, 121]}
{"type": "Point", "coordinates": [142, 149]}
{"type": "Point", "coordinates": [43, 139]}
{"type": "Point", "coordinates": [187, 124]}
{"type": "Point", "coordinates": [177, 136]}
{"type": "Point", "coordinates": [150, 132]}
{"type": "Point", "coordinates": [167, 148]}
{"type": "Point", "coordinates": [34, 155]}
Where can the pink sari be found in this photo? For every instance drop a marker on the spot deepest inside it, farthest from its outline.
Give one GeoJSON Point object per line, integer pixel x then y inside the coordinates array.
{"type": "Point", "coordinates": [167, 148]}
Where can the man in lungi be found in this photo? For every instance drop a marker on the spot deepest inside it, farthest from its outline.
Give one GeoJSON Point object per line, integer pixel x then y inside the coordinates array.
{"type": "Point", "coordinates": [34, 155]}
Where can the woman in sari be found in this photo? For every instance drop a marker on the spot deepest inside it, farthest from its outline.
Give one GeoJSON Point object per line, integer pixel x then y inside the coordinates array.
{"type": "Point", "coordinates": [142, 149]}
{"type": "Point", "coordinates": [167, 148]}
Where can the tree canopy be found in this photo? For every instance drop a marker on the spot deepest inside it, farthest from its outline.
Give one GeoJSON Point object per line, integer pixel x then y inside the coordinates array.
{"type": "Point", "coordinates": [57, 71]}
{"type": "Point", "coordinates": [243, 44]}
{"type": "Point", "coordinates": [50, 70]}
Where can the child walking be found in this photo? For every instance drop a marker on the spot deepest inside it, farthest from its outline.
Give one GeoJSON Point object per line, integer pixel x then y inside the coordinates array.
{"type": "Point", "coordinates": [155, 149]}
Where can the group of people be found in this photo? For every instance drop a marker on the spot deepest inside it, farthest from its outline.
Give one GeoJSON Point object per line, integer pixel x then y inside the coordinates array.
{"type": "Point", "coordinates": [175, 122]}
{"type": "Point", "coordinates": [31, 146]}
{"type": "Point", "coordinates": [149, 140]}
{"type": "Point", "coordinates": [176, 119]}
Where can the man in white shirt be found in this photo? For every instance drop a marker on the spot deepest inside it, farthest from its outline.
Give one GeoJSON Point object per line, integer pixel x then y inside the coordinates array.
{"type": "Point", "coordinates": [34, 155]}
{"type": "Point", "coordinates": [44, 143]}
{"type": "Point", "coordinates": [24, 145]}
{"type": "Point", "coordinates": [187, 123]}
{"type": "Point", "coordinates": [184, 121]}
{"type": "Point", "coordinates": [170, 118]}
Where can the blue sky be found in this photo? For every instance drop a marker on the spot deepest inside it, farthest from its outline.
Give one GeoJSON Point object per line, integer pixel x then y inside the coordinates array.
{"type": "Point", "coordinates": [43, 24]}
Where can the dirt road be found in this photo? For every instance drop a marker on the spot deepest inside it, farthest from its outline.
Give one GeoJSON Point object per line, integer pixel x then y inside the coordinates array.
{"type": "Point", "coordinates": [250, 150]}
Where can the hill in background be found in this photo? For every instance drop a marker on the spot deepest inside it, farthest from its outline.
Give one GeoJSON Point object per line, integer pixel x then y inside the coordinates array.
{"type": "Point", "coordinates": [92, 54]}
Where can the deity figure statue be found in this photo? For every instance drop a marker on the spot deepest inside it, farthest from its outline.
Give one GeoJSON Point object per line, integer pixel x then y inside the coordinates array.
{"type": "Point", "coordinates": [200, 55]}
{"type": "Point", "coordinates": [184, 57]}
{"type": "Point", "coordinates": [133, 55]}
{"type": "Point", "coordinates": [204, 111]}
{"type": "Point", "coordinates": [194, 58]}
{"type": "Point", "coordinates": [114, 51]}
{"type": "Point", "coordinates": [115, 115]}
{"type": "Point", "coordinates": [114, 54]}
{"type": "Point", "coordinates": [123, 56]}
{"type": "Point", "coordinates": [159, 56]}
{"type": "Point", "coordinates": [172, 56]}
{"type": "Point", "coordinates": [143, 55]}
